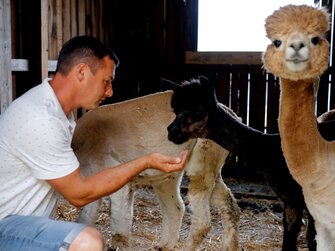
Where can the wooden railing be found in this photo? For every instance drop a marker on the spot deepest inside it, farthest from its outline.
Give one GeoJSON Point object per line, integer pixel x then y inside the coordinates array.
{"type": "Point", "coordinates": [254, 94]}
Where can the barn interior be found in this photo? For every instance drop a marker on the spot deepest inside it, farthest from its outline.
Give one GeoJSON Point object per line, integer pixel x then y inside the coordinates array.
{"type": "Point", "coordinates": [154, 39]}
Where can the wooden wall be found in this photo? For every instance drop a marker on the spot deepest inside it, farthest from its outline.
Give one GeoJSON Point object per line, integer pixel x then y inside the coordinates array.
{"type": "Point", "coordinates": [146, 36]}
{"type": "Point", "coordinates": [39, 29]}
{"type": "Point", "coordinates": [151, 38]}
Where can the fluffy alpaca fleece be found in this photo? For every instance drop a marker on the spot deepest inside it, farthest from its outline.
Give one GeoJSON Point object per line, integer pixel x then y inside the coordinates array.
{"type": "Point", "coordinates": [116, 133]}
{"type": "Point", "coordinates": [298, 55]}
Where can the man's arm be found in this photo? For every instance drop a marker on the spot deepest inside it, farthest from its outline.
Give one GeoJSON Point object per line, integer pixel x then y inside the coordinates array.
{"type": "Point", "coordinates": [80, 190]}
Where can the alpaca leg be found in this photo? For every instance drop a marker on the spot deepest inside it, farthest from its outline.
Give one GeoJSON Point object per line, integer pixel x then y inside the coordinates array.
{"type": "Point", "coordinates": [89, 213]}
{"type": "Point", "coordinates": [292, 223]}
{"type": "Point", "coordinates": [311, 233]}
{"type": "Point", "coordinates": [200, 190]}
{"type": "Point", "coordinates": [204, 165]}
{"type": "Point", "coordinates": [325, 238]}
{"type": "Point", "coordinates": [223, 198]}
{"type": "Point", "coordinates": [121, 217]}
{"type": "Point", "coordinates": [172, 210]}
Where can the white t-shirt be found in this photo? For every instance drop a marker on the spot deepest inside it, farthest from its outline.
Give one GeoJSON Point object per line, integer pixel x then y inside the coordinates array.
{"type": "Point", "coordinates": [35, 145]}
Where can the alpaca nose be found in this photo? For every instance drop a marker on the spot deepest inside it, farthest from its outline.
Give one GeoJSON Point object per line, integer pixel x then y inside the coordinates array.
{"type": "Point", "coordinates": [171, 128]}
{"type": "Point", "coordinates": [296, 42]}
{"type": "Point", "coordinates": [297, 45]}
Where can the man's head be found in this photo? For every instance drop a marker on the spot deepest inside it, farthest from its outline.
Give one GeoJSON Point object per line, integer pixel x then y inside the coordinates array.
{"type": "Point", "coordinates": [90, 66]}
{"type": "Point", "coordinates": [83, 49]}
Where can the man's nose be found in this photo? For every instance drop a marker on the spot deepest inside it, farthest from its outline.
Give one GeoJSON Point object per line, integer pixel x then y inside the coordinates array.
{"type": "Point", "coordinates": [109, 91]}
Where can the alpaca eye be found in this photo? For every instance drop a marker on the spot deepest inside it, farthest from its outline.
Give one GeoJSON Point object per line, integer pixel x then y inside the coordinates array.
{"type": "Point", "coordinates": [315, 40]}
{"type": "Point", "coordinates": [277, 43]}
{"type": "Point", "coordinates": [198, 114]}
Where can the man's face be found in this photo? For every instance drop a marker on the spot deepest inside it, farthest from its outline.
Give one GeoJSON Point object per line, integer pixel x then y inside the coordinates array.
{"type": "Point", "coordinates": [98, 86]}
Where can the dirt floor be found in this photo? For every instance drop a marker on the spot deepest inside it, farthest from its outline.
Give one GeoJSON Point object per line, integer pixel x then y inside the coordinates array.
{"type": "Point", "coordinates": [260, 225]}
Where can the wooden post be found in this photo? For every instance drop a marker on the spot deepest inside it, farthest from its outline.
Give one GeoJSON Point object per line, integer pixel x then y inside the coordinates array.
{"type": "Point", "coordinates": [6, 89]}
{"type": "Point", "coordinates": [44, 39]}
{"type": "Point", "coordinates": [81, 18]}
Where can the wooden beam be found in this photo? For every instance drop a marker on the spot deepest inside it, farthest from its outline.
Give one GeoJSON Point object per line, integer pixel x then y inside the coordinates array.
{"type": "Point", "coordinates": [6, 88]}
{"type": "Point", "coordinates": [81, 18]}
{"type": "Point", "coordinates": [59, 18]}
{"type": "Point", "coordinates": [34, 53]}
{"type": "Point", "coordinates": [44, 39]}
{"type": "Point", "coordinates": [23, 65]}
{"type": "Point", "coordinates": [219, 58]}
{"type": "Point", "coordinates": [73, 20]}
{"type": "Point", "coordinates": [66, 11]}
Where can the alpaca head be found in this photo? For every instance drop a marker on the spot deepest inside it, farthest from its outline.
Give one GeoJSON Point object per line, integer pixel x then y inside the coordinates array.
{"type": "Point", "coordinates": [191, 102]}
{"type": "Point", "coordinates": [298, 50]}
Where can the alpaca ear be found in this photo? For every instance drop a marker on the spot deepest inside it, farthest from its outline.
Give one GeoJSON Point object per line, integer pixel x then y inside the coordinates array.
{"type": "Point", "coordinates": [209, 89]}
{"type": "Point", "coordinates": [205, 83]}
{"type": "Point", "coordinates": [170, 85]}
{"type": "Point", "coordinates": [204, 80]}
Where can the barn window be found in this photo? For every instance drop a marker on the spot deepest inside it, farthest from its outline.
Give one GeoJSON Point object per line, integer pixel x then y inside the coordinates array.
{"type": "Point", "coordinates": [236, 25]}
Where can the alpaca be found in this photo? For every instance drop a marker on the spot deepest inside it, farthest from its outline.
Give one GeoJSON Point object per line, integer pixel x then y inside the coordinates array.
{"type": "Point", "coordinates": [199, 114]}
{"type": "Point", "coordinates": [298, 55]}
{"type": "Point", "coordinates": [119, 132]}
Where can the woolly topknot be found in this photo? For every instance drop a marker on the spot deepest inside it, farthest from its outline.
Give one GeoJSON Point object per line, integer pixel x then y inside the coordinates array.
{"type": "Point", "coordinates": [305, 18]}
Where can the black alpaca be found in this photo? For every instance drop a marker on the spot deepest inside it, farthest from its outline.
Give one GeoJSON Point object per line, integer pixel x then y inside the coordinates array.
{"type": "Point", "coordinates": [199, 114]}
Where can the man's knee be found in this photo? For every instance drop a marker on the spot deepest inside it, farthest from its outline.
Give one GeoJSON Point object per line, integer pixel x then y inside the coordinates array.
{"type": "Point", "coordinates": [88, 239]}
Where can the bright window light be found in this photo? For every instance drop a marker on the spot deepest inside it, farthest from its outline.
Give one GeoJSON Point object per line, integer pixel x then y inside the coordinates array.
{"type": "Point", "coordinates": [236, 25]}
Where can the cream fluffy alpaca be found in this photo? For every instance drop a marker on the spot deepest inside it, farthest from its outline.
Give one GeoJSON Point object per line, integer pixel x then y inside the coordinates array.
{"type": "Point", "coordinates": [112, 134]}
{"type": "Point", "coordinates": [298, 55]}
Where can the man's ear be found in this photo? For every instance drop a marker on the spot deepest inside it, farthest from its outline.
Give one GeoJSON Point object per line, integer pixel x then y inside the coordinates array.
{"type": "Point", "coordinates": [80, 71]}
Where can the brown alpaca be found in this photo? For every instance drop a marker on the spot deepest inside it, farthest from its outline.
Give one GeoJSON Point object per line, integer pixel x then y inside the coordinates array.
{"type": "Point", "coordinates": [298, 55]}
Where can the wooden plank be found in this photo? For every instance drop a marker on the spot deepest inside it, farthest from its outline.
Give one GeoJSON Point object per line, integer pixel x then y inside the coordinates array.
{"type": "Point", "coordinates": [223, 87]}
{"type": "Point", "coordinates": [52, 65]}
{"type": "Point", "coordinates": [66, 22]}
{"type": "Point", "coordinates": [332, 88]}
{"type": "Point", "coordinates": [74, 18]}
{"type": "Point", "coordinates": [6, 89]}
{"type": "Point", "coordinates": [52, 24]}
{"type": "Point", "coordinates": [234, 92]}
{"type": "Point", "coordinates": [88, 18]}
{"type": "Point", "coordinates": [23, 65]}
{"type": "Point", "coordinates": [55, 28]}
{"type": "Point", "coordinates": [273, 104]}
{"type": "Point", "coordinates": [94, 19]}
{"type": "Point", "coordinates": [191, 23]}
{"type": "Point", "coordinates": [170, 32]}
{"type": "Point", "coordinates": [243, 96]}
{"type": "Point", "coordinates": [322, 95]}
{"type": "Point", "coordinates": [81, 17]}
{"type": "Point", "coordinates": [249, 58]}
{"type": "Point", "coordinates": [158, 30]}
{"type": "Point", "coordinates": [100, 15]}
{"type": "Point", "coordinates": [19, 65]}
{"type": "Point", "coordinates": [44, 39]}
{"type": "Point", "coordinates": [59, 17]}
{"type": "Point", "coordinates": [332, 31]}
{"type": "Point", "coordinates": [257, 100]}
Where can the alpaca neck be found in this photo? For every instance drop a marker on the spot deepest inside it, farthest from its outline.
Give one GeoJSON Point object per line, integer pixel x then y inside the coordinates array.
{"type": "Point", "coordinates": [235, 136]}
{"type": "Point", "coordinates": [298, 125]}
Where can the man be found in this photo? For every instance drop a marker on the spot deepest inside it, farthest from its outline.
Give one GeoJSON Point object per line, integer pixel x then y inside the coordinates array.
{"type": "Point", "coordinates": [36, 158]}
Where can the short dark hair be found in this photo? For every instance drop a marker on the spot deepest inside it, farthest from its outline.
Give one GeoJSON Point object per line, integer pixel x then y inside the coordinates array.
{"type": "Point", "coordinates": [84, 49]}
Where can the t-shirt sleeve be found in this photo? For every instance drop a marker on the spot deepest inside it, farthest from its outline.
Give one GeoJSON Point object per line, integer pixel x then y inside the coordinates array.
{"type": "Point", "coordinates": [45, 146]}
